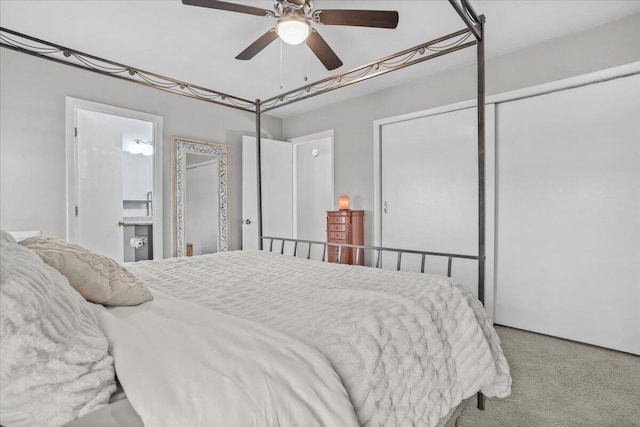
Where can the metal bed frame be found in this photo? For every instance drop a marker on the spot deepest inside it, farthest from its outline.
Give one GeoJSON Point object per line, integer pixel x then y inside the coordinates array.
{"type": "Point", "coordinates": [456, 41]}
{"type": "Point", "coordinates": [378, 250]}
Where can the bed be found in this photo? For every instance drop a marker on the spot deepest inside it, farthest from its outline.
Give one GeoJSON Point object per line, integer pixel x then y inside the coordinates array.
{"type": "Point", "coordinates": [259, 338]}
{"type": "Point", "coordinates": [308, 342]}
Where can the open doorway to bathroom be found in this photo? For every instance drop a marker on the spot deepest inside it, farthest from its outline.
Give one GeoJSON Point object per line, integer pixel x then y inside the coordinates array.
{"type": "Point", "coordinates": [114, 181]}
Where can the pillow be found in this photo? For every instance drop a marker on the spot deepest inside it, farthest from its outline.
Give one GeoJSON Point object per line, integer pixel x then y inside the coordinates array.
{"type": "Point", "coordinates": [55, 361]}
{"type": "Point", "coordinates": [99, 279]}
{"type": "Point", "coordinates": [6, 237]}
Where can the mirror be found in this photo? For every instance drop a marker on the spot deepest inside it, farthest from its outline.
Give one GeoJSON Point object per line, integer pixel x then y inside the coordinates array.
{"type": "Point", "coordinates": [200, 182]}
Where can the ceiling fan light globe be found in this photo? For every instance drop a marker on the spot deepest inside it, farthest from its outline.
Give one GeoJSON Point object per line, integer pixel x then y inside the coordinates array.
{"type": "Point", "coordinates": [292, 30]}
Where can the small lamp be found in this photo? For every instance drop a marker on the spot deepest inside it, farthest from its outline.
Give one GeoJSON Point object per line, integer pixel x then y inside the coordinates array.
{"type": "Point", "coordinates": [343, 202]}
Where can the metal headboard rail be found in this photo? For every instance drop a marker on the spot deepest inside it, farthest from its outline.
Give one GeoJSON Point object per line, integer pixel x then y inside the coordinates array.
{"type": "Point", "coordinates": [378, 250]}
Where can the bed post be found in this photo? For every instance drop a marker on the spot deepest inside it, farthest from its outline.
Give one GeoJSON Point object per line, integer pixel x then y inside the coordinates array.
{"type": "Point", "coordinates": [481, 161]}
{"type": "Point", "coordinates": [481, 172]}
{"type": "Point", "coordinates": [259, 170]}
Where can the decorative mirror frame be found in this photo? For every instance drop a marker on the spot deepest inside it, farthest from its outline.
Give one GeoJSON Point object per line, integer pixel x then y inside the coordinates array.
{"type": "Point", "coordinates": [180, 147]}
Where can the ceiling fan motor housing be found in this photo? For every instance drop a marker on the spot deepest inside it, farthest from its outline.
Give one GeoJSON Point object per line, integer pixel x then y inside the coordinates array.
{"type": "Point", "coordinates": [304, 5]}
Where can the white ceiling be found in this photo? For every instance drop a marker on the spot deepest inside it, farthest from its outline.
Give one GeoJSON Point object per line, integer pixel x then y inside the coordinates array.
{"type": "Point", "coordinates": [198, 45]}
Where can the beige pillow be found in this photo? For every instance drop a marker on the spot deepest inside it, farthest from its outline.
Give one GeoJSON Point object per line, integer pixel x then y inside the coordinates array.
{"type": "Point", "coordinates": [99, 279]}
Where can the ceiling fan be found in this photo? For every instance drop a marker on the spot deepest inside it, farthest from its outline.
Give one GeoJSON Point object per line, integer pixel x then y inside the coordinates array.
{"type": "Point", "coordinates": [294, 24]}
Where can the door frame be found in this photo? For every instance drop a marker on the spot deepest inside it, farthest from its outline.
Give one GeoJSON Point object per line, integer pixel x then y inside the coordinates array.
{"type": "Point", "coordinates": [72, 105]}
{"type": "Point", "coordinates": [301, 140]}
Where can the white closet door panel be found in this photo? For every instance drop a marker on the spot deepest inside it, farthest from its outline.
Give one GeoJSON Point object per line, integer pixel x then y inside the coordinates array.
{"type": "Point", "coordinates": [99, 200]}
{"type": "Point", "coordinates": [568, 261]}
{"type": "Point", "coordinates": [430, 190]}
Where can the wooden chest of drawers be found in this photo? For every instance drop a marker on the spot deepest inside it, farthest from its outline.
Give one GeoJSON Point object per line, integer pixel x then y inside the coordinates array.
{"type": "Point", "coordinates": [345, 227]}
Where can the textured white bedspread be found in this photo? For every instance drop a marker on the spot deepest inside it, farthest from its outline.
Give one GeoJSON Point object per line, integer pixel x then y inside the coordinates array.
{"type": "Point", "coordinates": [185, 365]}
{"type": "Point", "coordinates": [407, 346]}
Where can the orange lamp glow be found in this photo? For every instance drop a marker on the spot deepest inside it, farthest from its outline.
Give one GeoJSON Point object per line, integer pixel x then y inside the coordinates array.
{"type": "Point", "coordinates": [343, 202]}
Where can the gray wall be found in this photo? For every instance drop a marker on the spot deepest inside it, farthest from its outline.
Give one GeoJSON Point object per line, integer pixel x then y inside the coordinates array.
{"type": "Point", "coordinates": [601, 47]}
{"type": "Point", "coordinates": [32, 137]}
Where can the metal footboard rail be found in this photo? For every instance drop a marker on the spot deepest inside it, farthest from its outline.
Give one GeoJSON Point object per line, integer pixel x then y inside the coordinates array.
{"type": "Point", "coordinates": [377, 250]}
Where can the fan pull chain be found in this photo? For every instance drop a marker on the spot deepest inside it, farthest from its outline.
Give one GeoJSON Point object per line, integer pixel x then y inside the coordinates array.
{"type": "Point", "coordinates": [281, 82]}
{"type": "Point", "coordinates": [306, 55]}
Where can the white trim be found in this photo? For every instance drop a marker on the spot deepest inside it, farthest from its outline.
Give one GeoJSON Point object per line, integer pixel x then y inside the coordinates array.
{"type": "Point", "coordinates": [425, 113]}
{"type": "Point", "coordinates": [377, 180]}
{"type": "Point", "coordinates": [301, 140]}
{"type": "Point", "coordinates": [490, 282]}
{"type": "Point", "coordinates": [541, 89]}
{"type": "Point", "coordinates": [72, 107]}
{"type": "Point", "coordinates": [294, 190]}
{"type": "Point", "coordinates": [568, 83]}
{"type": "Point", "coordinates": [312, 136]}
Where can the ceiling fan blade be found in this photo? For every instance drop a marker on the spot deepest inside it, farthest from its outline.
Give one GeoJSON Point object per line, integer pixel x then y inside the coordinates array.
{"type": "Point", "coordinates": [258, 45]}
{"type": "Point", "coordinates": [321, 49]}
{"type": "Point", "coordinates": [358, 18]}
{"type": "Point", "coordinates": [232, 7]}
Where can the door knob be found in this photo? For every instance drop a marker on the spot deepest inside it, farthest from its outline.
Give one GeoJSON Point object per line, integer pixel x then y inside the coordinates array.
{"type": "Point", "coordinates": [247, 221]}
{"type": "Point", "coordinates": [386, 206]}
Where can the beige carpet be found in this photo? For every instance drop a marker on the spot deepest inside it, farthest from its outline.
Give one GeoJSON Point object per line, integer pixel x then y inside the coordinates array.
{"type": "Point", "coordinates": [559, 383]}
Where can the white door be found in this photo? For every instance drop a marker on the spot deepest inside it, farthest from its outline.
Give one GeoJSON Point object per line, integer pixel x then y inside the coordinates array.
{"type": "Point", "coordinates": [569, 214]}
{"type": "Point", "coordinates": [312, 186]}
{"type": "Point", "coordinates": [99, 185]}
{"type": "Point", "coordinates": [429, 192]}
{"type": "Point", "coordinates": [297, 188]}
{"type": "Point", "coordinates": [102, 188]}
{"type": "Point", "coordinates": [277, 190]}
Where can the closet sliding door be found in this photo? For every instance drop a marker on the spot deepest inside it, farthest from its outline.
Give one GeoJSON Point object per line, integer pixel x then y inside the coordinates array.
{"type": "Point", "coordinates": [568, 214]}
{"type": "Point", "coordinates": [429, 192]}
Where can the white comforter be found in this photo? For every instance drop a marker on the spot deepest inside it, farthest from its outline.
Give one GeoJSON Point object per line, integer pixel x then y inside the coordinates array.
{"type": "Point", "coordinates": [185, 365]}
{"type": "Point", "coordinates": [408, 347]}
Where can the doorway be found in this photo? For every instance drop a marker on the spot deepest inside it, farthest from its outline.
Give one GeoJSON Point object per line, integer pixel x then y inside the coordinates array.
{"type": "Point", "coordinates": [114, 180]}
{"type": "Point", "coordinates": [297, 187]}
